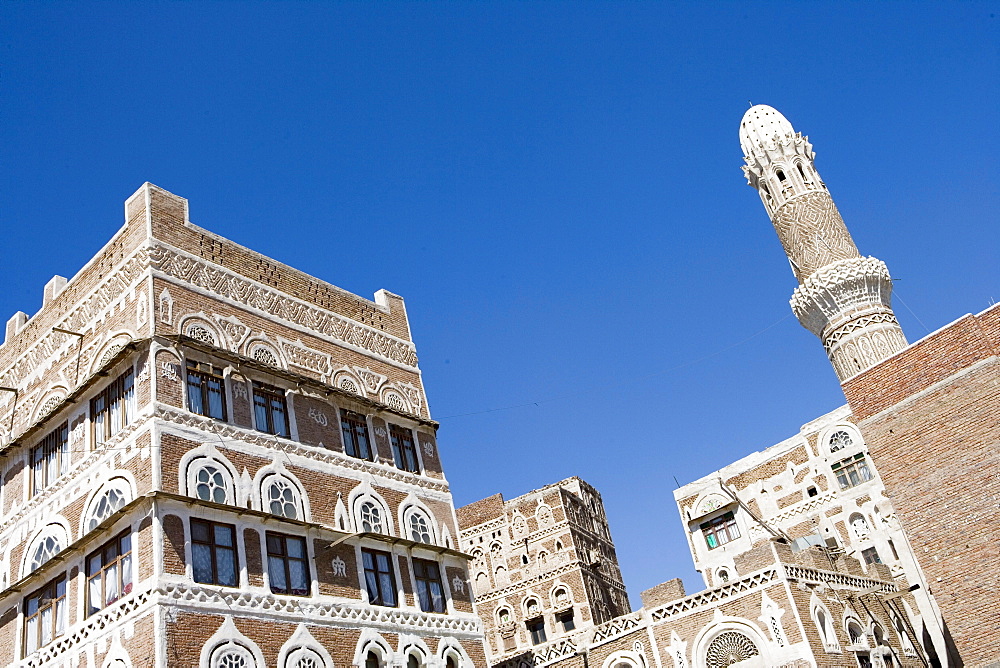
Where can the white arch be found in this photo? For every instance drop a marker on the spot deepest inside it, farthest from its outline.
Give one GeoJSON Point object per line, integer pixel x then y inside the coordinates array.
{"type": "Point", "coordinates": [365, 492]}
{"type": "Point", "coordinates": [261, 349]}
{"type": "Point", "coordinates": [823, 620]}
{"type": "Point", "coordinates": [117, 491]}
{"type": "Point", "coordinates": [525, 604]}
{"type": "Point", "coordinates": [557, 585]}
{"type": "Point", "coordinates": [372, 641]}
{"type": "Point", "coordinates": [53, 538]}
{"type": "Point", "coordinates": [113, 344]}
{"type": "Point", "coordinates": [412, 505]}
{"type": "Point", "coordinates": [198, 326]}
{"type": "Point", "coordinates": [721, 624]}
{"type": "Point", "coordinates": [824, 443]}
{"type": "Point", "coordinates": [229, 638]}
{"type": "Point", "coordinates": [54, 396]}
{"type": "Point", "coordinates": [630, 658]}
{"type": "Point", "coordinates": [451, 647]}
{"type": "Point", "coordinates": [411, 644]}
{"type": "Point", "coordinates": [348, 382]}
{"type": "Point", "coordinates": [300, 640]}
{"type": "Point", "coordinates": [276, 473]}
{"type": "Point", "coordinates": [195, 459]}
{"type": "Point", "coordinates": [117, 656]}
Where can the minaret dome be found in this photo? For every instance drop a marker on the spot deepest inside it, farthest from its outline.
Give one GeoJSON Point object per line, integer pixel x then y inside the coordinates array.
{"type": "Point", "coordinates": [760, 125]}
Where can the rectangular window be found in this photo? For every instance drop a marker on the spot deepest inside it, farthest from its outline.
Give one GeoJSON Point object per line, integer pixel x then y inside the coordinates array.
{"type": "Point", "coordinates": [380, 580]}
{"type": "Point", "coordinates": [354, 426]}
{"type": "Point", "coordinates": [213, 551]}
{"type": "Point", "coordinates": [536, 629]}
{"type": "Point", "coordinates": [871, 556]}
{"type": "Point", "coordinates": [566, 620]}
{"type": "Point", "coordinates": [114, 407]}
{"type": "Point", "coordinates": [45, 615]}
{"type": "Point", "coordinates": [206, 390]}
{"type": "Point", "coordinates": [852, 471]}
{"type": "Point", "coordinates": [430, 593]}
{"type": "Point", "coordinates": [720, 530]}
{"type": "Point", "coordinates": [287, 564]}
{"type": "Point", "coordinates": [109, 573]}
{"type": "Point", "coordinates": [404, 452]}
{"type": "Point", "coordinates": [50, 459]}
{"type": "Point", "coordinates": [270, 410]}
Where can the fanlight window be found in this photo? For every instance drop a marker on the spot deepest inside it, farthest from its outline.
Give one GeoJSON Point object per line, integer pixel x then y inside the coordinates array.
{"type": "Point", "coordinates": [419, 529]}
{"type": "Point", "coordinates": [210, 484]}
{"type": "Point", "coordinates": [281, 498]}
{"type": "Point", "coordinates": [47, 548]}
{"type": "Point", "coordinates": [233, 657]}
{"type": "Point", "coordinates": [264, 356]}
{"type": "Point", "coordinates": [371, 517]}
{"type": "Point", "coordinates": [110, 501]}
{"type": "Point", "coordinates": [728, 648]}
{"type": "Point", "coordinates": [201, 333]}
{"type": "Point", "coordinates": [304, 658]}
{"type": "Point", "coordinates": [840, 440]}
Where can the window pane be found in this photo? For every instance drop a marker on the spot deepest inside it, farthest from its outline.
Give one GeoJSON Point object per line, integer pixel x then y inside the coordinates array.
{"type": "Point", "coordinates": [276, 572]}
{"type": "Point", "coordinates": [296, 547]}
{"type": "Point", "coordinates": [215, 399]}
{"type": "Point", "coordinates": [201, 555]}
{"type": "Point", "coordinates": [260, 413]}
{"type": "Point", "coordinates": [223, 535]}
{"type": "Point", "coordinates": [280, 426]}
{"type": "Point", "coordinates": [388, 589]}
{"type": "Point", "coordinates": [371, 583]}
{"type": "Point", "coordinates": [226, 559]}
{"type": "Point", "coordinates": [195, 404]}
{"type": "Point", "coordinates": [298, 576]}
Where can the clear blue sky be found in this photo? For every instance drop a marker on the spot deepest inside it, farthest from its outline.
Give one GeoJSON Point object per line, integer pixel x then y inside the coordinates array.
{"type": "Point", "coordinates": [553, 187]}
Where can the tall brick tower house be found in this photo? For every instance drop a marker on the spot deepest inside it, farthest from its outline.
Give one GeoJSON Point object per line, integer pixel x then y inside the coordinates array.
{"type": "Point", "coordinates": [842, 298]}
{"type": "Point", "coordinates": [214, 460]}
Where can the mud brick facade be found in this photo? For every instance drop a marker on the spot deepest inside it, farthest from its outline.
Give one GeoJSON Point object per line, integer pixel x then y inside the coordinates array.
{"type": "Point", "coordinates": [931, 417]}
{"type": "Point", "coordinates": [212, 460]}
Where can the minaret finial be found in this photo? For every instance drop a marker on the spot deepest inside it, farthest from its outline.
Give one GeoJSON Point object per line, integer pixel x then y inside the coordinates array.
{"type": "Point", "coordinates": [842, 297]}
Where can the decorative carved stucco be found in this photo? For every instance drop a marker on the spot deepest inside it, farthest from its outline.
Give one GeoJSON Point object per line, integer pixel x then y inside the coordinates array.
{"type": "Point", "coordinates": [813, 233]}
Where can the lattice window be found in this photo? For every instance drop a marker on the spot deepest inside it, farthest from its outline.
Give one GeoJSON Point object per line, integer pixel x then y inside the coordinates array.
{"type": "Point", "coordinates": [349, 385]}
{"type": "Point", "coordinates": [419, 529]}
{"type": "Point", "coordinates": [50, 405]}
{"type": "Point", "coordinates": [110, 501]}
{"type": "Point", "coordinates": [281, 498]}
{"type": "Point", "coordinates": [264, 356]}
{"type": "Point", "coordinates": [371, 517]}
{"type": "Point", "coordinates": [47, 548]}
{"type": "Point", "coordinates": [304, 658]}
{"type": "Point", "coordinates": [395, 402]}
{"type": "Point", "coordinates": [233, 656]}
{"type": "Point", "coordinates": [728, 648]}
{"type": "Point", "coordinates": [840, 440]}
{"type": "Point", "coordinates": [210, 484]}
{"type": "Point", "coordinates": [201, 333]}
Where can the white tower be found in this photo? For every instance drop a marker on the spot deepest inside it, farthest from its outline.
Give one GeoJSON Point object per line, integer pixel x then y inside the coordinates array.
{"type": "Point", "coordinates": [842, 298]}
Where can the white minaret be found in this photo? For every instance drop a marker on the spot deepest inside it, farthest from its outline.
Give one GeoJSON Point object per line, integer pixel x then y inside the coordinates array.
{"type": "Point", "coordinates": [842, 298]}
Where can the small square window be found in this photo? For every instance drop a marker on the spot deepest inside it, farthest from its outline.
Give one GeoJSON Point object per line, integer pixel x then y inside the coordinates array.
{"type": "Point", "coordinates": [566, 620]}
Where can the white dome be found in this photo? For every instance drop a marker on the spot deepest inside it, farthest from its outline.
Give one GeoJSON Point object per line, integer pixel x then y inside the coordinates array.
{"type": "Point", "coordinates": [759, 125]}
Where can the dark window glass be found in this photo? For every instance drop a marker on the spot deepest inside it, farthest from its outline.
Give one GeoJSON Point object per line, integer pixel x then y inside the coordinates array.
{"type": "Point", "coordinates": [206, 390]}
{"type": "Point", "coordinates": [430, 593]}
{"type": "Point", "coordinates": [536, 629]}
{"type": "Point", "coordinates": [412, 662]}
{"type": "Point", "coordinates": [50, 459]}
{"type": "Point", "coordinates": [371, 661]}
{"type": "Point", "coordinates": [379, 578]}
{"type": "Point", "coordinates": [354, 426]}
{"type": "Point", "coordinates": [109, 573]}
{"type": "Point", "coordinates": [404, 452]}
{"type": "Point", "coordinates": [114, 407]}
{"type": "Point", "coordinates": [871, 556]}
{"type": "Point", "coordinates": [720, 530]}
{"type": "Point", "coordinates": [213, 551]}
{"type": "Point", "coordinates": [566, 620]}
{"type": "Point", "coordinates": [270, 410]}
{"type": "Point", "coordinates": [781, 175]}
{"type": "Point", "coordinates": [45, 615]}
{"type": "Point", "coordinates": [287, 564]}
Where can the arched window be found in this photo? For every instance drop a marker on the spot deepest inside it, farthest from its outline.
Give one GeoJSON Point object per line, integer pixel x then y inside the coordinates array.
{"type": "Point", "coordinates": [839, 440]}
{"type": "Point", "coordinates": [279, 496]}
{"type": "Point", "coordinates": [372, 661]}
{"type": "Point", "coordinates": [371, 517]}
{"type": "Point", "coordinates": [856, 633]}
{"type": "Point", "coordinates": [503, 616]}
{"type": "Point", "coordinates": [730, 647]}
{"type": "Point", "coordinates": [117, 494]}
{"type": "Point", "coordinates": [47, 548]}
{"type": "Point", "coordinates": [210, 484]}
{"type": "Point", "coordinates": [723, 575]}
{"type": "Point", "coordinates": [413, 661]}
{"type": "Point", "coordinates": [859, 525]}
{"type": "Point", "coordinates": [232, 656]}
{"type": "Point", "coordinates": [304, 658]}
{"type": "Point", "coordinates": [420, 530]}
{"type": "Point", "coordinates": [531, 606]}
{"type": "Point", "coordinates": [450, 662]}
{"type": "Point", "coordinates": [780, 174]}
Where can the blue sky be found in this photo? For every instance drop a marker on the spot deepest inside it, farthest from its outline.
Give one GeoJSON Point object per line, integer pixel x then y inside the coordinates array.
{"type": "Point", "coordinates": [553, 187]}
